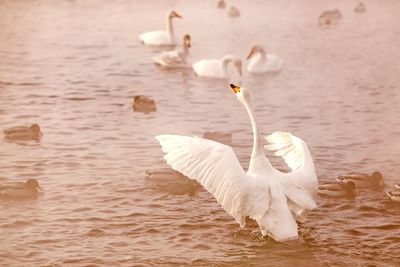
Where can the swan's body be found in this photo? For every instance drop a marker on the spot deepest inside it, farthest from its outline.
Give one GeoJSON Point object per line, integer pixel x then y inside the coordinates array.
{"type": "Point", "coordinates": [176, 58]}
{"type": "Point", "coordinates": [363, 180]}
{"type": "Point", "coordinates": [337, 189]}
{"type": "Point", "coordinates": [395, 194]}
{"type": "Point", "coordinates": [216, 68]}
{"type": "Point", "coordinates": [162, 38]}
{"type": "Point", "coordinates": [23, 132]}
{"type": "Point", "coordinates": [19, 191]}
{"type": "Point", "coordinates": [260, 62]}
{"type": "Point", "coordinates": [272, 198]}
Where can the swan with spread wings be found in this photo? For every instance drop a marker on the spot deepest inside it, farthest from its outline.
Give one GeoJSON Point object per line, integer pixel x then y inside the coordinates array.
{"type": "Point", "coordinates": [273, 198]}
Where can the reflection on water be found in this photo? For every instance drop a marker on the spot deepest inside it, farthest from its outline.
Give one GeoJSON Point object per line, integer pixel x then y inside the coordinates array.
{"type": "Point", "coordinates": [73, 68]}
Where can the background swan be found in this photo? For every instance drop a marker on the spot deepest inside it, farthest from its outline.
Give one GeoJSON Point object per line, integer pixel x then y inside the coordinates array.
{"type": "Point", "coordinates": [261, 62]}
{"type": "Point", "coordinates": [175, 59]}
{"type": "Point", "coordinates": [263, 193]}
{"type": "Point", "coordinates": [216, 68]}
{"type": "Point", "coordinates": [162, 37]}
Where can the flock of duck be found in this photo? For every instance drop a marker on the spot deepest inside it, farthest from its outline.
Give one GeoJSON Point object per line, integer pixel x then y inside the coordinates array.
{"type": "Point", "coordinates": [276, 200]}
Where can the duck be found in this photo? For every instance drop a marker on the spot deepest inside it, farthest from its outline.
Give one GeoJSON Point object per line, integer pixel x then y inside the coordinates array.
{"type": "Point", "coordinates": [170, 181]}
{"type": "Point", "coordinates": [18, 191]}
{"type": "Point", "coordinates": [143, 104]}
{"type": "Point", "coordinates": [222, 137]}
{"type": "Point", "coordinates": [162, 38]}
{"type": "Point", "coordinates": [176, 58]}
{"type": "Point", "coordinates": [216, 68]}
{"type": "Point", "coordinates": [363, 180]}
{"type": "Point", "coordinates": [233, 12]}
{"type": "Point", "coordinates": [337, 189]}
{"type": "Point", "coordinates": [395, 194]}
{"type": "Point", "coordinates": [23, 132]}
{"type": "Point", "coordinates": [261, 62]}
{"type": "Point", "coordinates": [329, 16]}
{"type": "Point", "coordinates": [272, 198]}
{"type": "Point", "coordinates": [360, 8]}
{"type": "Point", "coordinates": [221, 4]}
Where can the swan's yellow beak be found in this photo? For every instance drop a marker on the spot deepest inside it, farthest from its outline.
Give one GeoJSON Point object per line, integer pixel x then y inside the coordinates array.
{"type": "Point", "coordinates": [235, 88]}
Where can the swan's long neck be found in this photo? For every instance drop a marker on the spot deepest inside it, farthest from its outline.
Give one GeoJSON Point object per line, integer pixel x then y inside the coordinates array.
{"type": "Point", "coordinates": [185, 49]}
{"type": "Point", "coordinates": [257, 144]}
{"type": "Point", "coordinates": [224, 65]}
{"type": "Point", "coordinates": [170, 29]}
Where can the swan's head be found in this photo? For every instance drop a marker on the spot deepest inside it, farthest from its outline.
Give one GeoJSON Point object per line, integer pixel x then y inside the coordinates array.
{"type": "Point", "coordinates": [186, 40]}
{"type": "Point", "coordinates": [241, 93]}
{"type": "Point", "coordinates": [173, 14]}
{"type": "Point", "coordinates": [255, 49]}
{"type": "Point", "coordinates": [238, 64]}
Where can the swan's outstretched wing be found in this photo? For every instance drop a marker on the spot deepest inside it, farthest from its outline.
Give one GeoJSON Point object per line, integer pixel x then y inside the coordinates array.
{"type": "Point", "coordinates": [301, 184]}
{"type": "Point", "coordinates": [291, 148]}
{"type": "Point", "coordinates": [216, 167]}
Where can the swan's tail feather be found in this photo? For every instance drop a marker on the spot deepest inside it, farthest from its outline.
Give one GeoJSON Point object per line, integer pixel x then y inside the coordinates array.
{"type": "Point", "coordinates": [278, 222]}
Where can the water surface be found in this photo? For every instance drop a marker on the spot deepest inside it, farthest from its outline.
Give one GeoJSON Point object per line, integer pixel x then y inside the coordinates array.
{"type": "Point", "coordinates": [73, 67]}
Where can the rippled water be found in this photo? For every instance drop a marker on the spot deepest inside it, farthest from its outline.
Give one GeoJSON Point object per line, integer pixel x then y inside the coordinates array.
{"type": "Point", "coordinates": [73, 67]}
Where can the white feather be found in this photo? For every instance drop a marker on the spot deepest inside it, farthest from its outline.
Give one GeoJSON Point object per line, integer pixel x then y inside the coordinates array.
{"type": "Point", "coordinates": [216, 167]}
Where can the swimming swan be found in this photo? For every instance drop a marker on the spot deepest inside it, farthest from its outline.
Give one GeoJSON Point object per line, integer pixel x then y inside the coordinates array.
{"type": "Point", "coordinates": [216, 68]}
{"type": "Point", "coordinates": [261, 62]}
{"type": "Point", "coordinates": [174, 59]}
{"type": "Point", "coordinates": [160, 38]}
{"type": "Point", "coordinates": [263, 193]}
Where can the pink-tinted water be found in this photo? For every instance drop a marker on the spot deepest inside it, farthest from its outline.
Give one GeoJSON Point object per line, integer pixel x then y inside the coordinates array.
{"type": "Point", "coordinates": [73, 66]}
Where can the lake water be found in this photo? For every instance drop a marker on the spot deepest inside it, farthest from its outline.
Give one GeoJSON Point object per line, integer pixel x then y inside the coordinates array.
{"type": "Point", "coordinates": [73, 67]}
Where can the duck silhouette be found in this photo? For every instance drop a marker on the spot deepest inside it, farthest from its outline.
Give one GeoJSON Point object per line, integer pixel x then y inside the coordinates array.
{"type": "Point", "coordinates": [23, 132]}
{"type": "Point", "coordinates": [363, 180]}
{"type": "Point", "coordinates": [143, 104]}
{"type": "Point", "coordinates": [337, 189]}
{"type": "Point", "coordinates": [18, 191]}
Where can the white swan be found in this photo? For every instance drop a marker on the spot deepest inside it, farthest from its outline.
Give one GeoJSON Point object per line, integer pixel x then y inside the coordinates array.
{"type": "Point", "coordinates": [175, 59]}
{"type": "Point", "coordinates": [216, 68]}
{"type": "Point", "coordinates": [261, 62]}
{"type": "Point", "coordinates": [166, 38]}
{"type": "Point", "coordinates": [263, 193]}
